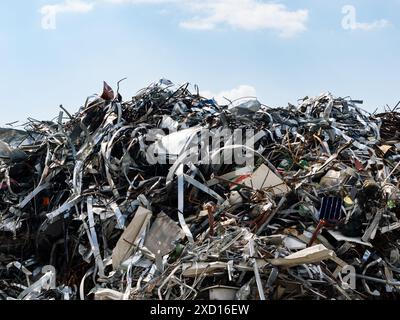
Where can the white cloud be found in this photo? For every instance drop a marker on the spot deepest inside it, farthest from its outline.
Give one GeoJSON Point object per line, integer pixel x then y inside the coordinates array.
{"type": "Point", "coordinates": [210, 14]}
{"type": "Point", "coordinates": [241, 91]}
{"type": "Point", "coordinates": [70, 6]}
{"type": "Point", "coordinates": [143, 1]}
{"type": "Point", "coordinates": [247, 15]}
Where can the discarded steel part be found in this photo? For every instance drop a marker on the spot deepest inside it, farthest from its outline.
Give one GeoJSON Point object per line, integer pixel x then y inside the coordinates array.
{"type": "Point", "coordinates": [265, 179]}
{"type": "Point", "coordinates": [202, 268]}
{"type": "Point", "coordinates": [256, 271]}
{"type": "Point", "coordinates": [181, 205]}
{"type": "Point", "coordinates": [163, 235]}
{"type": "Point", "coordinates": [108, 92]}
{"type": "Point", "coordinates": [313, 254]}
{"type": "Point", "coordinates": [107, 294]}
{"type": "Point", "coordinates": [222, 292]}
{"type": "Point", "coordinates": [211, 212]}
{"type": "Point", "coordinates": [128, 240]}
{"type": "Point", "coordinates": [340, 237]}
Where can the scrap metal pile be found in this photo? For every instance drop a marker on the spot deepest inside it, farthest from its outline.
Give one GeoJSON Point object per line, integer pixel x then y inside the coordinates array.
{"type": "Point", "coordinates": [130, 200]}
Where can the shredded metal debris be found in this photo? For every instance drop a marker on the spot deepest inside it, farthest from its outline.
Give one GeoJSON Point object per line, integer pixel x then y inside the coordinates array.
{"type": "Point", "coordinates": [130, 200]}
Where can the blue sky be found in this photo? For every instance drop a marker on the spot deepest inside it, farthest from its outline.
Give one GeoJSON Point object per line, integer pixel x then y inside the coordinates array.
{"type": "Point", "coordinates": [278, 50]}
